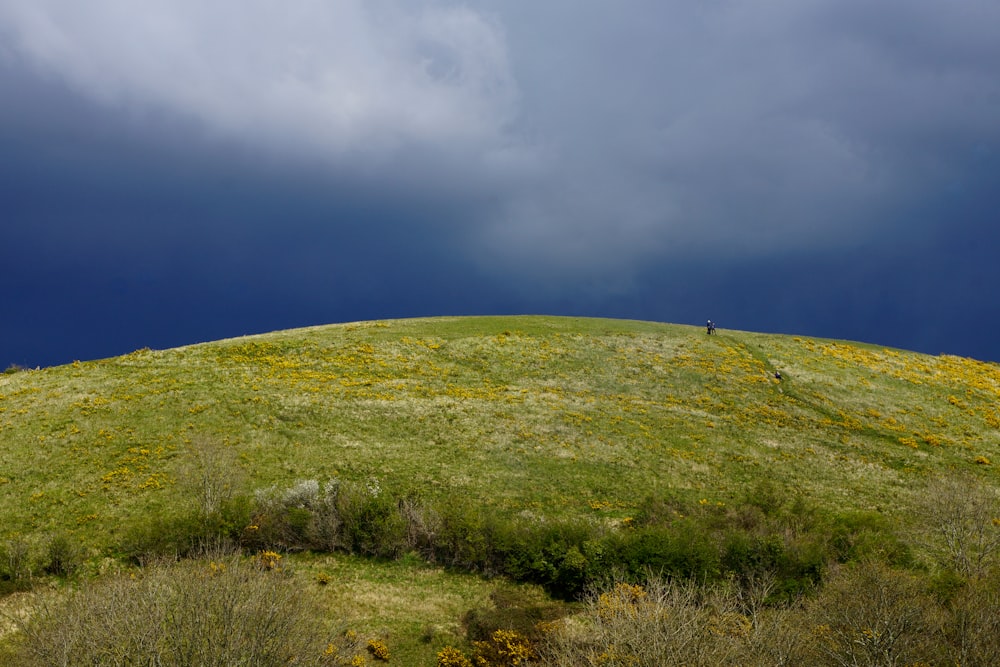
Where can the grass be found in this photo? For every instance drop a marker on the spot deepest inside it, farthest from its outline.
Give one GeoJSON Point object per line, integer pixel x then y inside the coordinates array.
{"type": "Point", "coordinates": [415, 608]}
{"type": "Point", "coordinates": [519, 414]}
{"type": "Point", "coordinates": [532, 416]}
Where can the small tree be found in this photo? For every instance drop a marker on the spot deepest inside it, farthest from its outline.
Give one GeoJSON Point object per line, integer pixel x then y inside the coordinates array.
{"type": "Point", "coordinates": [960, 525]}
{"type": "Point", "coordinates": [211, 475]}
{"type": "Point", "coordinates": [872, 615]}
{"type": "Point", "coordinates": [972, 627]}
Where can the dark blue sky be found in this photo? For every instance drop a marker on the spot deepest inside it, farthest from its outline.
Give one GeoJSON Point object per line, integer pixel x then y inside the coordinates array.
{"type": "Point", "coordinates": [185, 171]}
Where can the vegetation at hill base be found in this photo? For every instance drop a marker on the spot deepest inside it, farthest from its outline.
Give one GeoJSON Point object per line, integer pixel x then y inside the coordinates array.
{"type": "Point", "coordinates": [502, 490]}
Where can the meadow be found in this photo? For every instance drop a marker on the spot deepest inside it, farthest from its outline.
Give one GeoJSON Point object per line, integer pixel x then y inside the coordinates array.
{"type": "Point", "coordinates": [536, 420]}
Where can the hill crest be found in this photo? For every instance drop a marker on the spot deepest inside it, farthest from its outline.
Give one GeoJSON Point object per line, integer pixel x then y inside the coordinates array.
{"type": "Point", "coordinates": [578, 416]}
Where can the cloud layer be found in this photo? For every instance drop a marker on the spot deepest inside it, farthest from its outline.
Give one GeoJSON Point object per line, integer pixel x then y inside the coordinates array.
{"type": "Point", "coordinates": [661, 128]}
{"type": "Point", "coordinates": [563, 155]}
{"type": "Point", "coordinates": [340, 78]}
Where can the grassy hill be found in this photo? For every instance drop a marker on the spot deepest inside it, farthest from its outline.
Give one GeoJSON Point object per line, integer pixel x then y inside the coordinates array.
{"type": "Point", "coordinates": [524, 417]}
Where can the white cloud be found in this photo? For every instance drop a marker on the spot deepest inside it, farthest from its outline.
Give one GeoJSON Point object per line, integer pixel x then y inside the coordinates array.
{"type": "Point", "coordinates": [341, 77]}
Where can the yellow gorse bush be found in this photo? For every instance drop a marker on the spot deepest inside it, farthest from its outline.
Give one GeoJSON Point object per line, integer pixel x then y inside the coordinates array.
{"type": "Point", "coordinates": [505, 648]}
{"type": "Point", "coordinates": [452, 657]}
{"type": "Point", "coordinates": [625, 600]}
{"type": "Point", "coordinates": [269, 560]}
{"type": "Point", "coordinates": [378, 649]}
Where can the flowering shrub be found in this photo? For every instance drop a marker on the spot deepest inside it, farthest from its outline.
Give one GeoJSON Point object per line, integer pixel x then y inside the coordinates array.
{"type": "Point", "coordinates": [378, 649]}
{"type": "Point", "coordinates": [452, 657]}
{"type": "Point", "coordinates": [625, 600]}
{"type": "Point", "coordinates": [269, 560]}
{"type": "Point", "coordinates": [505, 648]}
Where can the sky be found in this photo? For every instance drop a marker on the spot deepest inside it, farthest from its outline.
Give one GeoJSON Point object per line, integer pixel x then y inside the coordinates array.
{"type": "Point", "coordinates": [176, 171]}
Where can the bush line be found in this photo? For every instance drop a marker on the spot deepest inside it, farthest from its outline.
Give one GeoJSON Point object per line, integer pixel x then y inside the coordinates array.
{"type": "Point", "coordinates": [788, 541]}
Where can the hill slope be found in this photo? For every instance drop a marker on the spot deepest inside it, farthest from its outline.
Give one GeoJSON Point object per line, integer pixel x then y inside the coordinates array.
{"type": "Point", "coordinates": [556, 416]}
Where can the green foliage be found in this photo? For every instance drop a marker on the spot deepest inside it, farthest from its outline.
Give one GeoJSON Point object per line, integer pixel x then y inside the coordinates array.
{"type": "Point", "coordinates": [180, 533]}
{"type": "Point", "coordinates": [372, 524]}
{"type": "Point", "coordinates": [678, 551]}
{"type": "Point", "coordinates": [565, 557]}
{"type": "Point", "coordinates": [16, 564]}
{"type": "Point", "coordinates": [62, 555]}
{"type": "Point", "coordinates": [856, 536]}
{"type": "Point", "coordinates": [464, 536]}
{"type": "Point", "coordinates": [558, 555]}
{"type": "Point", "coordinates": [512, 609]}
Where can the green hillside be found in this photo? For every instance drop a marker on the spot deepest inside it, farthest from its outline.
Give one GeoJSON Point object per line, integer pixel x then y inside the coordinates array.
{"type": "Point", "coordinates": [530, 418]}
{"type": "Point", "coordinates": [573, 416]}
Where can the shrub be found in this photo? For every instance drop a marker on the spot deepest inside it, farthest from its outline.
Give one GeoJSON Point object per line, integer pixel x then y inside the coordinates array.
{"type": "Point", "coordinates": [749, 555]}
{"type": "Point", "coordinates": [15, 562]}
{"type": "Point", "coordinates": [683, 551]}
{"type": "Point", "coordinates": [161, 535]}
{"type": "Point", "coordinates": [512, 609]}
{"type": "Point", "coordinates": [972, 625]}
{"type": "Point", "coordinates": [303, 516]}
{"type": "Point", "coordinates": [768, 496]}
{"type": "Point", "coordinates": [423, 525]}
{"type": "Point", "coordinates": [857, 536]}
{"type": "Point", "coordinates": [354, 518]}
{"type": "Point", "coordinates": [62, 556]}
{"type": "Point", "coordinates": [958, 526]}
{"type": "Point", "coordinates": [676, 623]}
{"type": "Point", "coordinates": [182, 534]}
{"type": "Point", "coordinates": [378, 649]}
{"type": "Point", "coordinates": [452, 657]}
{"type": "Point", "coordinates": [656, 624]}
{"type": "Point", "coordinates": [462, 540]}
{"type": "Point", "coordinates": [371, 522]}
{"type": "Point", "coordinates": [656, 510]}
{"type": "Point", "coordinates": [869, 614]}
{"type": "Point", "coordinates": [504, 648]}
{"type": "Point", "coordinates": [563, 557]}
{"type": "Point", "coordinates": [222, 612]}
{"type": "Point", "coordinates": [269, 560]}
{"type": "Point", "coordinates": [210, 475]}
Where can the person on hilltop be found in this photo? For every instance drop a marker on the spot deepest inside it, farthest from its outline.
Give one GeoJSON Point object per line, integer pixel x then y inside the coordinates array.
{"type": "Point", "coordinates": [710, 327]}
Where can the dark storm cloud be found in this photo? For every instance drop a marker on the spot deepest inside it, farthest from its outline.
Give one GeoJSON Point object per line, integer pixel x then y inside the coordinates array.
{"type": "Point", "coordinates": [121, 233]}
{"type": "Point", "coordinates": [189, 170]}
{"type": "Point", "coordinates": [768, 125]}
